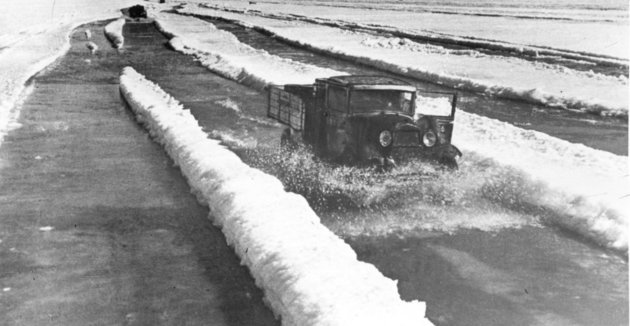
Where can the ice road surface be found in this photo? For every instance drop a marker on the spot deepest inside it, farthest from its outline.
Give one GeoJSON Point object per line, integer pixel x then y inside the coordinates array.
{"type": "Point", "coordinates": [33, 33]}
{"type": "Point", "coordinates": [235, 60]}
{"type": "Point", "coordinates": [309, 275]}
{"type": "Point", "coordinates": [585, 188]}
{"type": "Point", "coordinates": [508, 77]}
{"type": "Point", "coordinates": [596, 27]}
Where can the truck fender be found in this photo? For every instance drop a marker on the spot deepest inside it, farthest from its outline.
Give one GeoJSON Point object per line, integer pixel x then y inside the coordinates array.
{"type": "Point", "coordinates": [448, 155]}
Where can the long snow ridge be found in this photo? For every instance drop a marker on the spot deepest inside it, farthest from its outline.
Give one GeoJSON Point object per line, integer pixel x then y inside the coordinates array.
{"type": "Point", "coordinates": [309, 275]}
{"type": "Point", "coordinates": [512, 78]}
{"type": "Point", "coordinates": [114, 32]}
{"type": "Point", "coordinates": [571, 185]}
{"type": "Point", "coordinates": [32, 37]}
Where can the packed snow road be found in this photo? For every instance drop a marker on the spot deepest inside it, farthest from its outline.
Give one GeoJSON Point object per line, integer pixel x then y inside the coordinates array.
{"type": "Point", "coordinates": [497, 75]}
{"type": "Point", "coordinates": [485, 245]}
{"type": "Point", "coordinates": [460, 252]}
{"type": "Point", "coordinates": [518, 271]}
{"type": "Point", "coordinates": [604, 133]}
{"type": "Point", "coordinates": [97, 227]}
{"type": "Point", "coordinates": [541, 177]}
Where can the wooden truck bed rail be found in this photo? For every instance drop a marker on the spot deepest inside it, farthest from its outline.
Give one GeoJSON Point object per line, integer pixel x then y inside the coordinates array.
{"type": "Point", "coordinates": [286, 108]}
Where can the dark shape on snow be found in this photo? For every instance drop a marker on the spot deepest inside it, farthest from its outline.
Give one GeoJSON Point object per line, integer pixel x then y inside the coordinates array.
{"type": "Point", "coordinates": [137, 11]}
{"type": "Point", "coordinates": [360, 119]}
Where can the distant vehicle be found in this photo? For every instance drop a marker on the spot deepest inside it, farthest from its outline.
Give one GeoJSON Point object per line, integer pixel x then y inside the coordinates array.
{"type": "Point", "coordinates": [359, 119]}
{"type": "Point", "coordinates": [138, 11]}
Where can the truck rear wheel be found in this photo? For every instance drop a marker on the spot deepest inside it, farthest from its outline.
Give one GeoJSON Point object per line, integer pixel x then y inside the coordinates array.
{"type": "Point", "coordinates": [287, 140]}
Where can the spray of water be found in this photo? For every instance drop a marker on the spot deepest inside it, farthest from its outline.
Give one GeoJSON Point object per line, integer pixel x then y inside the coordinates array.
{"type": "Point", "coordinates": [416, 196]}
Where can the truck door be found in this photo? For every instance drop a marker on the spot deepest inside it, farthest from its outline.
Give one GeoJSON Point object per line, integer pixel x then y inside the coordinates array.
{"type": "Point", "coordinates": [336, 111]}
{"type": "Point", "coordinates": [319, 118]}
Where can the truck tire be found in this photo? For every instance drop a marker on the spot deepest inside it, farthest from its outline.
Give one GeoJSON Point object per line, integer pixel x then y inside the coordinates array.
{"type": "Point", "coordinates": [449, 162]}
{"type": "Point", "coordinates": [347, 156]}
{"type": "Point", "coordinates": [287, 140]}
{"type": "Point", "coordinates": [448, 157]}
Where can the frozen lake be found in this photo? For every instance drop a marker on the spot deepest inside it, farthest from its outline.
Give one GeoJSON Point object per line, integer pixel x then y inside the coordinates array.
{"type": "Point", "coordinates": [598, 27]}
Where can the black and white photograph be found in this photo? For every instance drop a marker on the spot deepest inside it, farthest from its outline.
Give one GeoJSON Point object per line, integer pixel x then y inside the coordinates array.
{"type": "Point", "coordinates": [314, 162]}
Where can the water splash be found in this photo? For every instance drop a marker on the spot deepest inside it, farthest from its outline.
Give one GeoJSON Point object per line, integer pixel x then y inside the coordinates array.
{"type": "Point", "coordinates": [416, 196]}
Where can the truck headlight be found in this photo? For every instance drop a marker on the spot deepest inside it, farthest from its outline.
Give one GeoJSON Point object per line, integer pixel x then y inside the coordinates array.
{"type": "Point", "coordinates": [385, 138]}
{"type": "Point", "coordinates": [429, 139]}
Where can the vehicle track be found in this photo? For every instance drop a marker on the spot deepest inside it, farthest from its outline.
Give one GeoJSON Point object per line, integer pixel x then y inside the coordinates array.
{"type": "Point", "coordinates": [517, 275]}
{"type": "Point", "coordinates": [97, 227]}
{"type": "Point", "coordinates": [604, 133]}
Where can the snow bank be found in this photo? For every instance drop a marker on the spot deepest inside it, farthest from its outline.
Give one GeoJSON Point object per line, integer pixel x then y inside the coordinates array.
{"type": "Point", "coordinates": [33, 34]}
{"type": "Point", "coordinates": [501, 76]}
{"type": "Point", "coordinates": [432, 106]}
{"type": "Point", "coordinates": [10, 111]}
{"type": "Point", "coordinates": [309, 276]}
{"type": "Point", "coordinates": [222, 53]}
{"type": "Point", "coordinates": [21, 61]}
{"type": "Point", "coordinates": [582, 35]}
{"type": "Point", "coordinates": [92, 47]}
{"type": "Point", "coordinates": [586, 189]}
{"type": "Point", "coordinates": [114, 32]}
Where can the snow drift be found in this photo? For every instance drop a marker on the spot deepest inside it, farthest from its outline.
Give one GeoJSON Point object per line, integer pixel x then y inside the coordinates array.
{"type": "Point", "coordinates": [33, 35]}
{"type": "Point", "coordinates": [579, 188]}
{"type": "Point", "coordinates": [512, 78]}
{"type": "Point", "coordinates": [584, 189]}
{"type": "Point", "coordinates": [309, 276]}
{"type": "Point", "coordinates": [19, 62]}
{"type": "Point", "coordinates": [591, 34]}
{"type": "Point", "coordinates": [114, 32]}
{"type": "Point", "coordinates": [222, 53]}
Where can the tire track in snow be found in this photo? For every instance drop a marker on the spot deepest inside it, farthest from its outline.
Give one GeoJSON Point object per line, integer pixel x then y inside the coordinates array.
{"type": "Point", "coordinates": [594, 209]}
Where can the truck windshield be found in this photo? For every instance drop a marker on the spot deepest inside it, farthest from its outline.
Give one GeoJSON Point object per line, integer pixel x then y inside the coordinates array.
{"type": "Point", "coordinates": [369, 100]}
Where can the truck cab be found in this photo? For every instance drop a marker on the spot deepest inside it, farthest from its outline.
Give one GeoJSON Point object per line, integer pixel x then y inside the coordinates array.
{"type": "Point", "coordinates": [354, 119]}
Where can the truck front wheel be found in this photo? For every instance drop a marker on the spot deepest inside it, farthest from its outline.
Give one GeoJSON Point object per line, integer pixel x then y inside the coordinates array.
{"type": "Point", "coordinates": [449, 162]}
{"type": "Point", "coordinates": [448, 156]}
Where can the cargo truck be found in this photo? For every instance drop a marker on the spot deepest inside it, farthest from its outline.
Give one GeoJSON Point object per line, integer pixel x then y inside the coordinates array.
{"type": "Point", "coordinates": [364, 119]}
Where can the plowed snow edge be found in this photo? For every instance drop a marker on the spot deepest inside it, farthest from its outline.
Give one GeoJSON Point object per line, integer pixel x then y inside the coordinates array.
{"type": "Point", "coordinates": [584, 189]}
{"type": "Point", "coordinates": [309, 275]}
{"type": "Point", "coordinates": [114, 32]}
